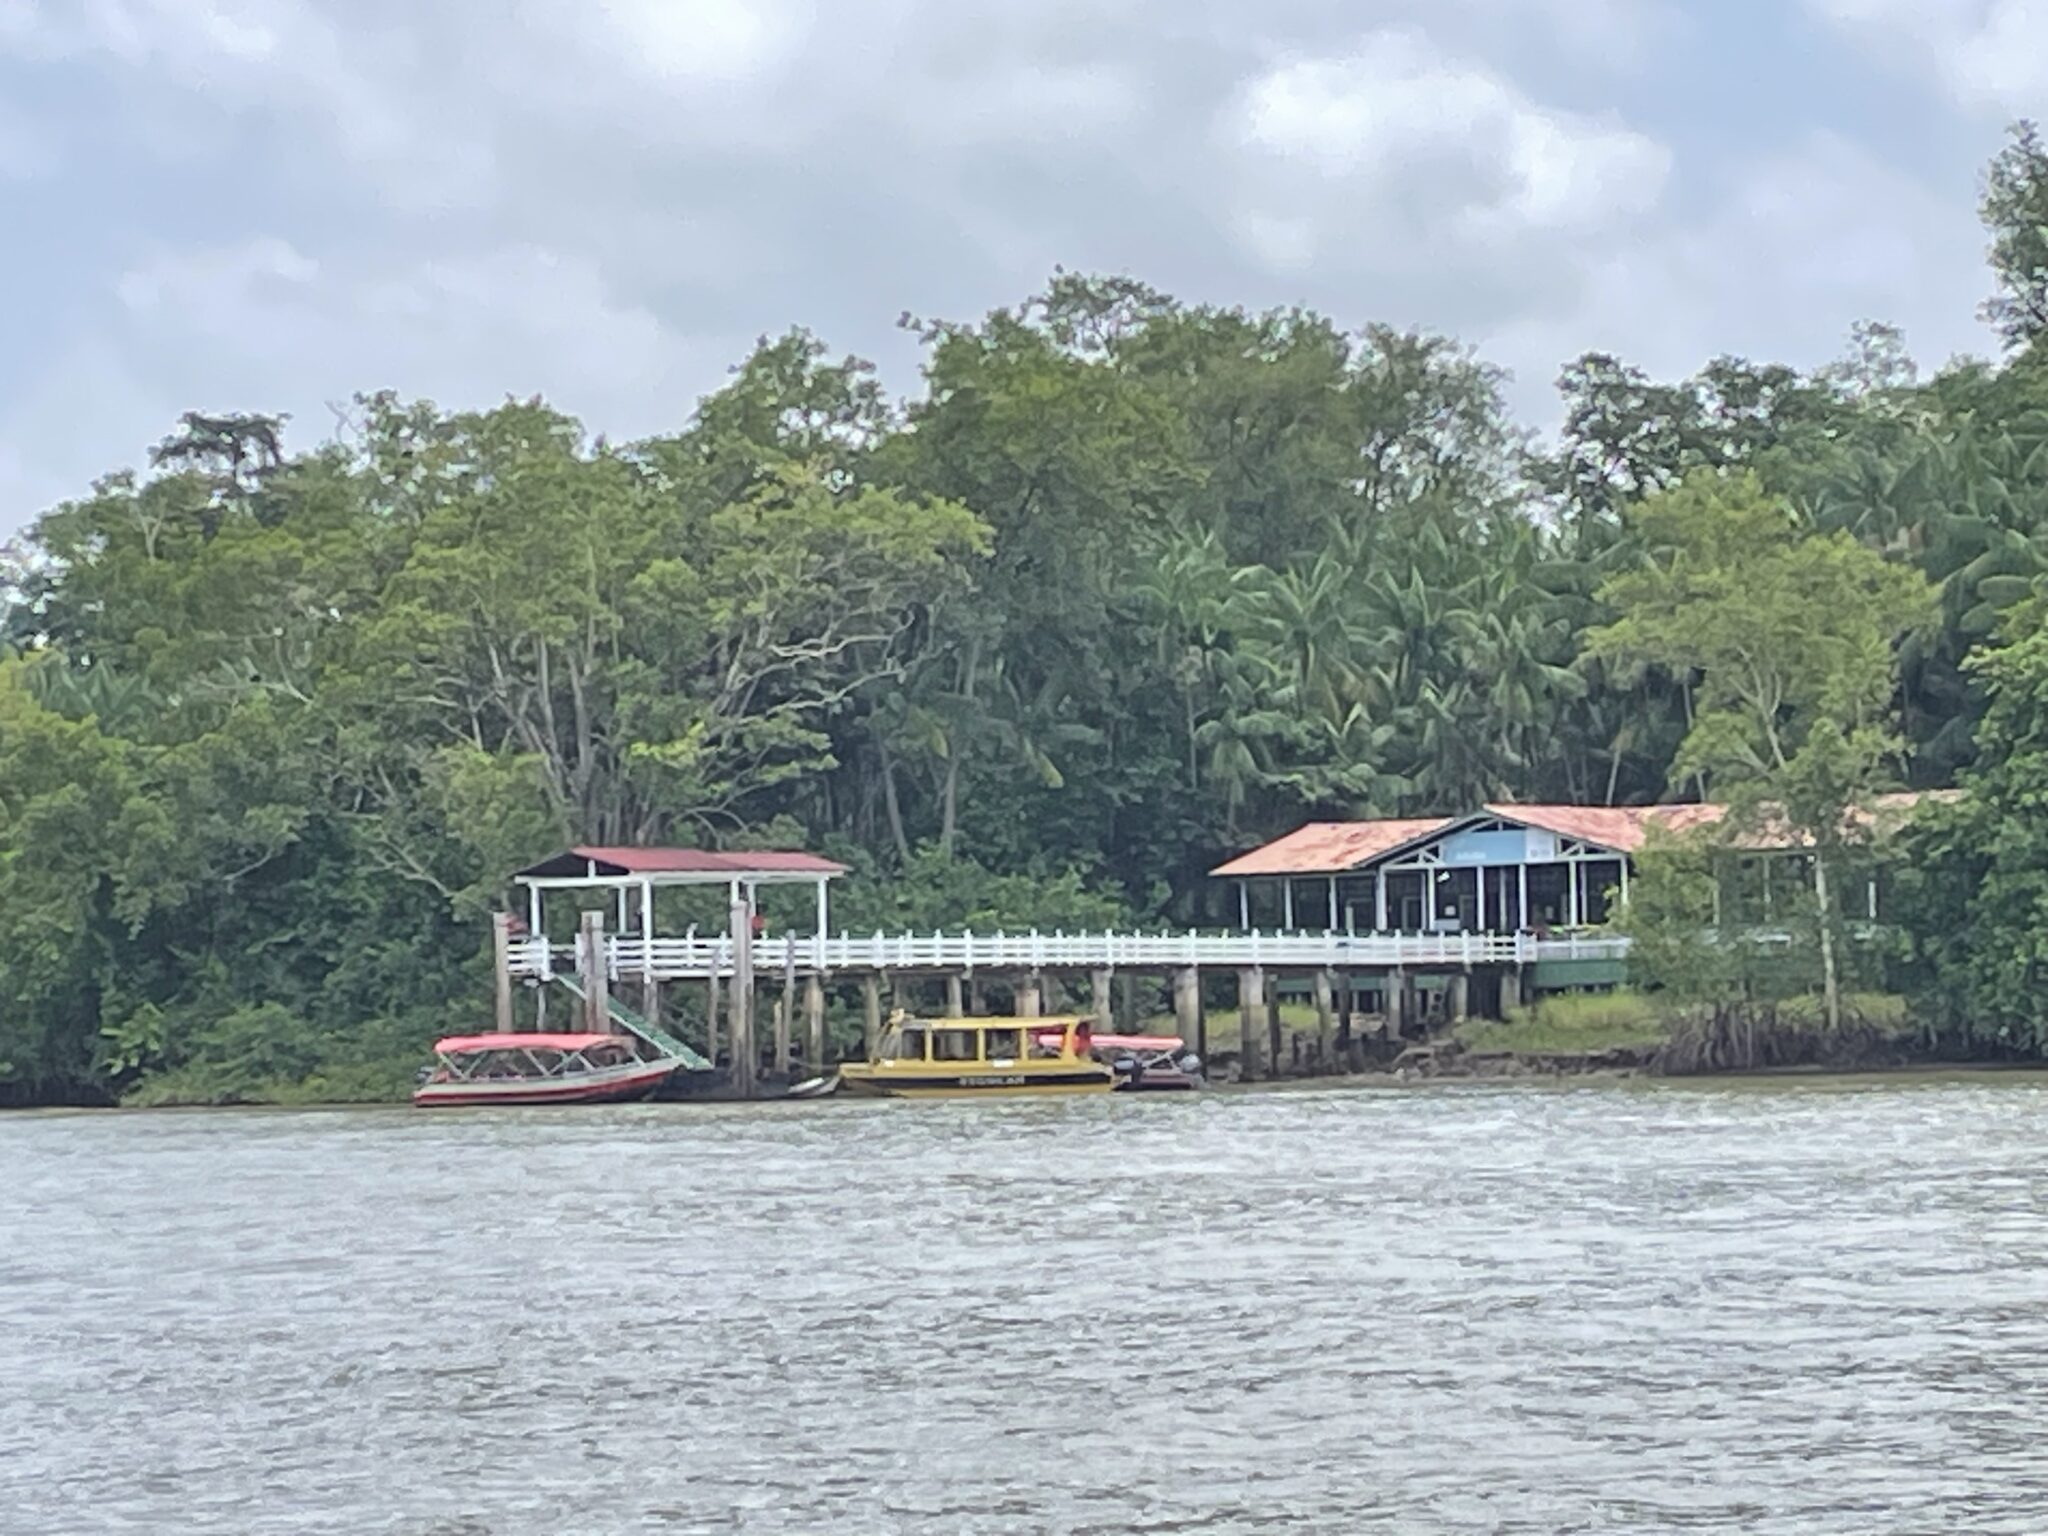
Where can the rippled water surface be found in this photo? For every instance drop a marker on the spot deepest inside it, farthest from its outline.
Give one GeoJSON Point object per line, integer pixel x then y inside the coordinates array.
{"type": "Point", "coordinates": [1763, 1308]}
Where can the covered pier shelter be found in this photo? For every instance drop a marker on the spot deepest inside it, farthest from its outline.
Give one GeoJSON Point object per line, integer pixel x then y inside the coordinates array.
{"type": "Point", "coordinates": [1501, 869]}
{"type": "Point", "coordinates": [636, 873]}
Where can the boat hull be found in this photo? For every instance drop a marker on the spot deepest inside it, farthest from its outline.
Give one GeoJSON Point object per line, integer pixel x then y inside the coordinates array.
{"type": "Point", "coordinates": [1021, 1083]}
{"type": "Point", "coordinates": [1156, 1080]}
{"type": "Point", "coordinates": [612, 1085]}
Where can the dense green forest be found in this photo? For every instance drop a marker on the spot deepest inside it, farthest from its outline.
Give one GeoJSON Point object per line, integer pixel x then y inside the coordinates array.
{"type": "Point", "coordinates": [1125, 586]}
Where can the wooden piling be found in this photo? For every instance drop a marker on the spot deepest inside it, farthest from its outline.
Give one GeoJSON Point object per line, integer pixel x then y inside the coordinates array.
{"type": "Point", "coordinates": [785, 1012]}
{"type": "Point", "coordinates": [501, 955]}
{"type": "Point", "coordinates": [597, 978]}
{"type": "Point", "coordinates": [650, 998]}
{"type": "Point", "coordinates": [745, 1059]}
{"type": "Point", "coordinates": [1251, 1004]}
{"type": "Point", "coordinates": [871, 1014]}
{"type": "Point", "coordinates": [1396, 1004]}
{"type": "Point", "coordinates": [1030, 996]}
{"type": "Point", "coordinates": [814, 1019]}
{"type": "Point", "coordinates": [713, 1001]}
{"type": "Point", "coordinates": [1187, 1009]}
{"type": "Point", "coordinates": [1326, 1009]}
{"type": "Point", "coordinates": [1100, 983]}
{"type": "Point", "coordinates": [1276, 1040]}
{"type": "Point", "coordinates": [956, 1000]}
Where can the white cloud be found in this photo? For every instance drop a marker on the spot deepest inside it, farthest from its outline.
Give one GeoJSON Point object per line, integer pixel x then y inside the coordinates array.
{"type": "Point", "coordinates": [695, 40]}
{"type": "Point", "coordinates": [1397, 144]}
{"type": "Point", "coordinates": [1792, 252]}
{"type": "Point", "coordinates": [261, 325]}
{"type": "Point", "coordinates": [1989, 55]}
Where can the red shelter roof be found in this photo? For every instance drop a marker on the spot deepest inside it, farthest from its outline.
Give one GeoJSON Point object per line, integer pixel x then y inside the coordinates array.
{"type": "Point", "coordinates": [612, 863]}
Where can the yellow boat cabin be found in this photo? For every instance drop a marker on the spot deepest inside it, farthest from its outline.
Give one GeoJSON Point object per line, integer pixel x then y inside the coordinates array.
{"type": "Point", "coordinates": [980, 1058]}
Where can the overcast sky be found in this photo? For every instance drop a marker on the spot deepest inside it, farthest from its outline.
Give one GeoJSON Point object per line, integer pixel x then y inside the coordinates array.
{"type": "Point", "coordinates": [274, 204]}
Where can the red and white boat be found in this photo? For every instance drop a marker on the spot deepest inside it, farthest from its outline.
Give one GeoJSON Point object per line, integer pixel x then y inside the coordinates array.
{"type": "Point", "coordinates": [1144, 1063]}
{"type": "Point", "coordinates": [540, 1069]}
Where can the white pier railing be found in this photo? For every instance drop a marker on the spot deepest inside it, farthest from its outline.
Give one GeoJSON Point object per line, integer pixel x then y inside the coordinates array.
{"type": "Point", "coordinates": [693, 957]}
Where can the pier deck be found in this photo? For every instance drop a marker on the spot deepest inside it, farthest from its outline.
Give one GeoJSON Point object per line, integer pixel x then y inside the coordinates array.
{"type": "Point", "coordinates": [700, 958]}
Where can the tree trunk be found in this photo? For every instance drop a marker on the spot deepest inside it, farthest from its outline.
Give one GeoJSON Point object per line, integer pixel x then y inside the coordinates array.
{"type": "Point", "coordinates": [1831, 991]}
{"type": "Point", "coordinates": [893, 805]}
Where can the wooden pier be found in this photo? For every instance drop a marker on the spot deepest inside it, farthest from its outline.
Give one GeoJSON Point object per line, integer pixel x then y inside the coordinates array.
{"type": "Point", "coordinates": [1349, 977]}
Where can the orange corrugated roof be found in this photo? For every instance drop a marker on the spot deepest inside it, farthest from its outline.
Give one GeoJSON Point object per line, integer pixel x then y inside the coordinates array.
{"type": "Point", "coordinates": [1331, 847]}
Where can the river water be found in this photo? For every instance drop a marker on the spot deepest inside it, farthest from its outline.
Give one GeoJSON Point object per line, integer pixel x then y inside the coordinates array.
{"type": "Point", "coordinates": [1766, 1307]}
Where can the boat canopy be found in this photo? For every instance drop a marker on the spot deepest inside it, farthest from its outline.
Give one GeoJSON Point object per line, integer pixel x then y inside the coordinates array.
{"type": "Point", "coordinates": [460, 1045]}
{"type": "Point", "coordinates": [1124, 1042]}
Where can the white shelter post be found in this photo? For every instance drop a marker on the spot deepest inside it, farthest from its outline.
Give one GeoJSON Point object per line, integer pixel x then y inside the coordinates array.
{"type": "Point", "coordinates": [1333, 904]}
{"type": "Point", "coordinates": [1522, 883]}
{"type": "Point", "coordinates": [1379, 901]}
{"type": "Point", "coordinates": [1287, 904]}
{"type": "Point", "coordinates": [1244, 905]}
{"type": "Point", "coordinates": [824, 923]}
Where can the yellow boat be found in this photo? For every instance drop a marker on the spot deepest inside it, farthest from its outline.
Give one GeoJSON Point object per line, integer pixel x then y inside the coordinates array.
{"type": "Point", "coordinates": [979, 1058]}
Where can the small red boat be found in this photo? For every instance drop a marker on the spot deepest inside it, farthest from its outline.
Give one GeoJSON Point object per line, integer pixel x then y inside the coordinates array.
{"type": "Point", "coordinates": [539, 1069]}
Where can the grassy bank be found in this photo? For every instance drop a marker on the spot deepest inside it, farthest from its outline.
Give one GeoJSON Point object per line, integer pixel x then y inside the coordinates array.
{"type": "Point", "coordinates": [1573, 1024]}
{"type": "Point", "coordinates": [1688, 1039]}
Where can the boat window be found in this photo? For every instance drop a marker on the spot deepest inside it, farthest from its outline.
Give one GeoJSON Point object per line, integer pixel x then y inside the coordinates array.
{"type": "Point", "coordinates": [910, 1046]}
{"type": "Point", "coordinates": [1005, 1044]}
{"type": "Point", "coordinates": [955, 1045]}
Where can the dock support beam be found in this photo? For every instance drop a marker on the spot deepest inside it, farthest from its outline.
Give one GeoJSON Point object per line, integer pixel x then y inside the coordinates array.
{"type": "Point", "coordinates": [1326, 1008]}
{"type": "Point", "coordinates": [956, 1000]}
{"type": "Point", "coordinates": [650, 998]}
{"type": "Point", "coordinates": [1510, 989]}
{"type": "Point", "coordinates": [1187, 1009]}
{"type": "Point", "coordinates": [597, 980]}
{"type": "Point", "coordinates": [1397, 1004]}
{"type": "Point", "coordinates": [501, 954]}
{"type": "Point", "coordinates": [745, 1059]}
{"type": "Point", "coordinates": [713, 1001]}
{"type": "Point", "coordinates": [1458, 998]}
{"type": "Point", "coordinates": [1031, 996]}
{"type": "Point", "coordinates": [1100, 981]}
{"type": "Point", "coordinates": [814, 1020]}
{"type": "Point", "coordinates": [1251, 1004]}
{"type": "Point", "coordinates": [871, 1013]}
{"type": "Point", "coordinates": [785, 1005]}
